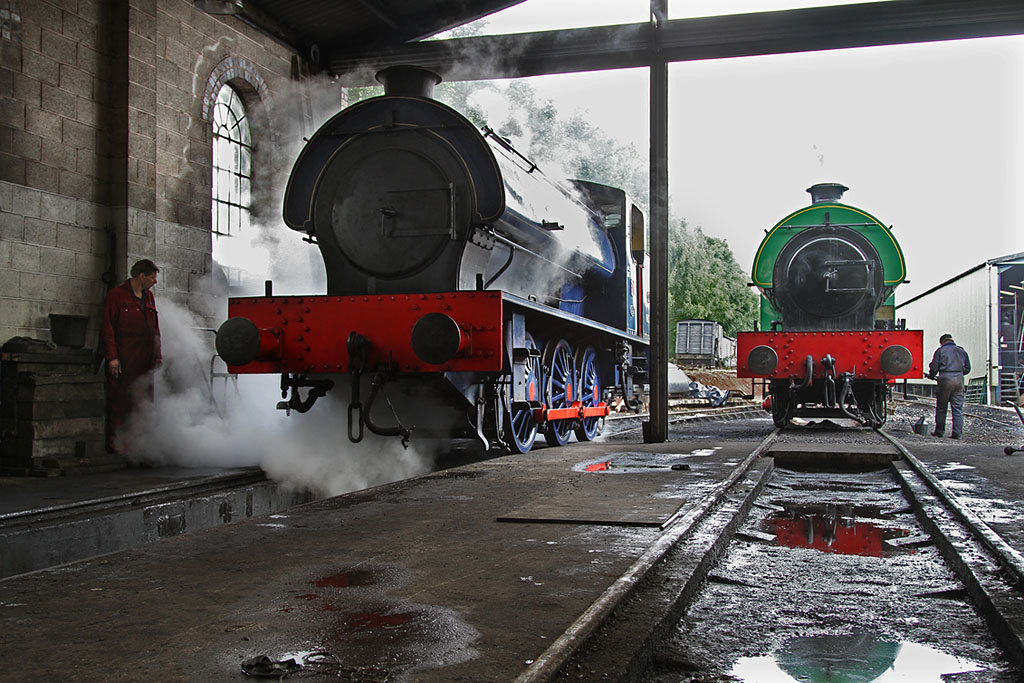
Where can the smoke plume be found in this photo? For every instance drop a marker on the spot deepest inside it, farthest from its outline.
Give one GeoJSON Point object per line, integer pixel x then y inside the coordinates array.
{"type": "Point", "coordinates": [195, 424]}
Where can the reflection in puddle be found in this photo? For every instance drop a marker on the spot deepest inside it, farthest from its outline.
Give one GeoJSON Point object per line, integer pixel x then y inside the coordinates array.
{"type": "Point", "coordinates": [851, 659]}
{"type": "Point", "coordinates": [630, 463]}
{"type": "Point", "coordinates": [833, 528]}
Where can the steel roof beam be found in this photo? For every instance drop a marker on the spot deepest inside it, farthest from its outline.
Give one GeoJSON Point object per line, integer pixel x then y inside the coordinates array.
{"type": "Point", "coordinates": [740, 35]}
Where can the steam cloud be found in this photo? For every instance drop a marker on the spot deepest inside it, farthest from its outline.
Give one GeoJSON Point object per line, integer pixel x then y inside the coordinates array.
{"type": "Point", "coordinates": [192, 425]}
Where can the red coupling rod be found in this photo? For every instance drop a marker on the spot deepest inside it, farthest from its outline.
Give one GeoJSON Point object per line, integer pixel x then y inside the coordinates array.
{"type": "Point", "coordinates": [574, 411]}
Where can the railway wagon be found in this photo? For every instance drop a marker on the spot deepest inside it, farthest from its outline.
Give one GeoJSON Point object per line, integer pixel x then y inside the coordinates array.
{"type": "Point", "coordinates": [702, 343]}
{"type": "Point", "coordinates": [467, 292]}
{"type": "Point", "coordinates": [828, 343]}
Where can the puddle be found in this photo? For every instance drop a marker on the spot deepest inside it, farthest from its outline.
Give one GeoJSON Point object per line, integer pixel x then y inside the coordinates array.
{"type": "Point", "coordinates": [832, 528]}
{"type": "Point", "coordinates": [861, 658]}
{"type": "Point", "coordinates": [361, 622]}
{"type": "Point", "coordinates": [631, 463]}
{"type": "Point", "coordinates": [341, 623]}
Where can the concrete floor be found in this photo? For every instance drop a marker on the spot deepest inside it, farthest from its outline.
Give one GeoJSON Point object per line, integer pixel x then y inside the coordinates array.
{"type": "Point", "coordinates": [412, 576]}
{"type": "Point", "coordinates": [417, 579]}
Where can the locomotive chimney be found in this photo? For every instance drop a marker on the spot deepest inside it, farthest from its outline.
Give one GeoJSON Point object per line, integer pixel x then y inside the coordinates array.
{"type": "Point", "coordinates": [408, 80]}
{"type": "Point", "coordinates": [826, 192]}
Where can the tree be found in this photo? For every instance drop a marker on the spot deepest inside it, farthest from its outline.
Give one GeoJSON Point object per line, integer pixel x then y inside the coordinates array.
{"type": "Point", "coordinates": [572, 147]}
{"type": "Point", "coordinates": [705, 282]}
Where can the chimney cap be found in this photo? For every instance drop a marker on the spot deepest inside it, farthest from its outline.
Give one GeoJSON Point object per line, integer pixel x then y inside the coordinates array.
{"type": "Point", "coordinates": [826, 192]}
{"type": "Point", "coordinates": [408, 79]}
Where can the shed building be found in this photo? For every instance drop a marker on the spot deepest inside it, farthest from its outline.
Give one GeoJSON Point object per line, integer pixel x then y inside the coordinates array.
{"type": "Point", "coordinates": [162, 129]}
{"type": "Point", "coordinates": [981, 307]}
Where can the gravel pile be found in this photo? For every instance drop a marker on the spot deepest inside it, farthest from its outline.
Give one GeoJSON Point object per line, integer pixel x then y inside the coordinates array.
{"type": "Point", "coordinates": [993, 425]}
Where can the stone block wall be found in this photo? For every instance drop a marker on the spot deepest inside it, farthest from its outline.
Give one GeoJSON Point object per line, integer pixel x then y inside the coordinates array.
{"type": "Point", "coordinates": [52, 259]}
{"type": "Point", "coordinates": [106, 148]}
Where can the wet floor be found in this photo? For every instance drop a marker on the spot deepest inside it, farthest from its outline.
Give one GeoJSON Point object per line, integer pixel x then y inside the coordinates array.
{"type": "Point", "coordinates": [830, 578]}
{"type": "Point", "coordinates": [341, 622]}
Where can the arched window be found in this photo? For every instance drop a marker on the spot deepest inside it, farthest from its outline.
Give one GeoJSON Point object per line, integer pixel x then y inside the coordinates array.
{"type": "Point", "coordinates": [232, 181]}
{"type": "Point", "coordinates": [232, 164]}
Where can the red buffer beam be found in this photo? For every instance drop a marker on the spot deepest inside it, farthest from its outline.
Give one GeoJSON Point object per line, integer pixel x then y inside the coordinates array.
{"type": "Point", "coordinates": [867, 354]}
{"type": "Point", "coordinates": [451, 331]}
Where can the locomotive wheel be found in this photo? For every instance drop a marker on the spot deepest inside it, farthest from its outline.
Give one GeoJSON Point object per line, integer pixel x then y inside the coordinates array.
{"type": "Point", "coordinates": [520, 427]}
{"type": "Point", "coordinates": [561, 389]}
{"type": "Point", "coordinates": [589, 393]}
{"type": "Point", "coordinates": [780, 404]}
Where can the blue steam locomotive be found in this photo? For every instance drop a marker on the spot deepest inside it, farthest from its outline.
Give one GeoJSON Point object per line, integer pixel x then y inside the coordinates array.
{"type": "Point", "coordinates": [474, 294]}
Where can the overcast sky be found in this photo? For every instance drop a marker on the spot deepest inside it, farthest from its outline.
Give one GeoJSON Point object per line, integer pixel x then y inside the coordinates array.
{"type": "Point", "coordinates": [928, 137]}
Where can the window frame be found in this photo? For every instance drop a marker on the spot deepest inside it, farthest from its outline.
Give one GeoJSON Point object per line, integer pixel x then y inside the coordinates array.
{"type": "Point", "coordinates": [231, 206]}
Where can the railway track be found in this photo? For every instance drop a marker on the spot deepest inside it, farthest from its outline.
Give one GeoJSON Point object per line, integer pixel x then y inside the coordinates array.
{"type": "Point", "coordinates": [780, 565]}
{"type": "Point", "coordinates": [696, 411]}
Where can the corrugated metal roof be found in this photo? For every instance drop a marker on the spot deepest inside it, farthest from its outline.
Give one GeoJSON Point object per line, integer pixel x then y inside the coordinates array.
{"type": "Point", "coordinates": [1009, 259]}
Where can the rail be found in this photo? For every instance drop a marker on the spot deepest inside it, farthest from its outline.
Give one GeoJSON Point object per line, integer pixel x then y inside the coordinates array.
{"type": "Point", "coordinates": [552, 660]}
{"type": "Point", "coordinates": [1010, 559]}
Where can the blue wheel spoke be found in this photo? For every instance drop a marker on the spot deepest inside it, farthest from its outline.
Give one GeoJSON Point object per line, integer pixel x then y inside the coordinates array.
{"type": "Point", "coordinates": [590, 384]}
{"type": "Point", "coordinates": [560, 388]}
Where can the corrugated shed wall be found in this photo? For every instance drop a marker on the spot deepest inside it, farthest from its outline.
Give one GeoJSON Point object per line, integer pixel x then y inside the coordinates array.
{"type": "Point", "coordinates": [960, 308]}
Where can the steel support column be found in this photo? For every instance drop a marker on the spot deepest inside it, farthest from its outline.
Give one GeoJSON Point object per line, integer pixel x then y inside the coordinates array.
{"type": "Point", "coordinates": [656, 430]}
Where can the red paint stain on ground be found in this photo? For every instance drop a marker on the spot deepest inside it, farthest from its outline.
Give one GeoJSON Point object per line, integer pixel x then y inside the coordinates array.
{"type": "Point", "coordinates": [366, 621]}
{"type": "Point", "coordinates": [358, 577]}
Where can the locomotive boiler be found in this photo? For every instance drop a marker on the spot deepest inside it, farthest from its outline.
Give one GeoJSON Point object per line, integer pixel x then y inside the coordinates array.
{"type": "Point", "coordinates": [828, 342]}
{"type": "Point", "coordinates": [467, 293]}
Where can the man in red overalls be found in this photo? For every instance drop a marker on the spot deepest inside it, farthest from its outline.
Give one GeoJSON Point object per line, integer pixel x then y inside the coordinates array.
{"type": "Point", "coordinates": [131, 344]}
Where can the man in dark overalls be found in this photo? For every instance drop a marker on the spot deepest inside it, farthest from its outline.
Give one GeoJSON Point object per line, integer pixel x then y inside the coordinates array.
{"type": "Point", "coordinates": [949, 365]}
{"type": "Point", "coordinates": [131, 344]}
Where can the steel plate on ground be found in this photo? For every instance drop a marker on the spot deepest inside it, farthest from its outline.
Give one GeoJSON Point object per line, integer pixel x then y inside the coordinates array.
{"type": "Point", "coordinates": [610, 500]}
{"type": "Point", "coordinates": [604, 507]}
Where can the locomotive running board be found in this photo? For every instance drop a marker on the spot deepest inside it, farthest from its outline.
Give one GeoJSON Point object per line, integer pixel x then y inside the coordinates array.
{"type": "Point", "coordinates": [558, 316]}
